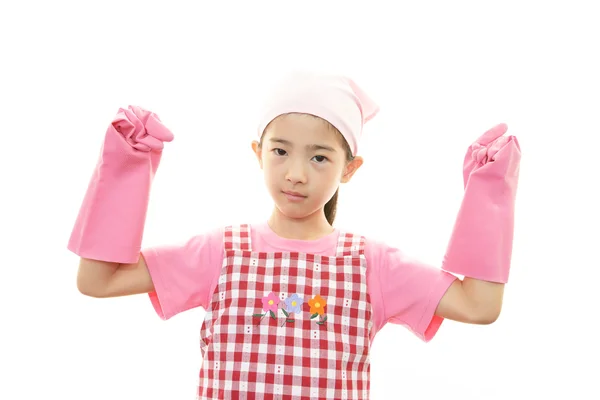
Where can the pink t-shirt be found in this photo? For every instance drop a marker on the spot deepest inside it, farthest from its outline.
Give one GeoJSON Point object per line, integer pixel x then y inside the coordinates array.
{"type": "Point", "coordinates": [402, 290]}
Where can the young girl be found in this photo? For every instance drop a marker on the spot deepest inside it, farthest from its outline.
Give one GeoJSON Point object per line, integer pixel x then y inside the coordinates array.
{"type": "Point", "coordinates": [293, 304]}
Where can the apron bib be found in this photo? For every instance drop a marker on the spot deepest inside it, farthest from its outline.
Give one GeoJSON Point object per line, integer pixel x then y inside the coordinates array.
{"type": "Point", "coordinates": [287, 325]}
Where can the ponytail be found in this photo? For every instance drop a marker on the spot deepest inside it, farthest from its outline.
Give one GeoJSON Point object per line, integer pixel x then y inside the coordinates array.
{"type": "Point", "coordinates": [331, 207]}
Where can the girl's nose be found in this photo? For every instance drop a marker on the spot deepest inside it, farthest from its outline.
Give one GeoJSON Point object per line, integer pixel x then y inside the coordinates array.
{"type": "Point", "coordinates": [296, 173]}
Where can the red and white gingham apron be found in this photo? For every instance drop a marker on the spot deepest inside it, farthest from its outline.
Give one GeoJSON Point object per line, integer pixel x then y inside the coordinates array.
{"type": "Point", "coordinates": [287, 325]}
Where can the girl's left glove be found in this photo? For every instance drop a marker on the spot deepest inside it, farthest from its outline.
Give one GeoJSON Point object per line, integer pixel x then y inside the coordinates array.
{"type": "Point", "coordinates": [481, 243]}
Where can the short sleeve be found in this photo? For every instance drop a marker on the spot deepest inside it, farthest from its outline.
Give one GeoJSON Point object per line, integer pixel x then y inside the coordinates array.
{"type": "Point", "coordinates": [184, 275]}
{"type": "Point", "coordinates": [409, 290]}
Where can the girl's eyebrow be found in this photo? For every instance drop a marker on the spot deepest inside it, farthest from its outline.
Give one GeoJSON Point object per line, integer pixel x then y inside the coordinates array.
{"type": "Point", "coordinates": [309, 147]}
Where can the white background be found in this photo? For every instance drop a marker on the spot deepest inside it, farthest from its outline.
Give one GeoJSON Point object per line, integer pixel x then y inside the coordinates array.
{"type": "Point", "coordinates": [442, 72]}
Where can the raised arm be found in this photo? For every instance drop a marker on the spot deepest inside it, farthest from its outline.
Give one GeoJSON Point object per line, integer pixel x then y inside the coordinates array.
{"type": "Point", "coordinates": [107, 233]}
{"type": "Point", "coordinates": [480, 247]}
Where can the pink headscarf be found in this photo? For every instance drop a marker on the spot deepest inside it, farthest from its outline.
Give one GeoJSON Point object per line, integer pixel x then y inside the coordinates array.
{"type": "Point", "coordinates": [335, 98]}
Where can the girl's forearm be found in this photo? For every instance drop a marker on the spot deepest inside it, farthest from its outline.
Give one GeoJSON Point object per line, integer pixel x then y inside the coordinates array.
{"type": "Point", "coordinates": [485, 299]}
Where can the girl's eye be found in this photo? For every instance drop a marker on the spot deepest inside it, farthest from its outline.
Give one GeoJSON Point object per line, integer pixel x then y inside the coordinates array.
{"type": "Point", "coordinates": [320, 159]}
{"type": "Point", "coordinates": [279, 152]}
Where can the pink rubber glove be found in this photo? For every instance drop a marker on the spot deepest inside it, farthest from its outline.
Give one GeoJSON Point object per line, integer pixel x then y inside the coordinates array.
{"type": "Point", "coordinates": [111, 219]}
{"type": "Point", "coordinates": [481, 243]}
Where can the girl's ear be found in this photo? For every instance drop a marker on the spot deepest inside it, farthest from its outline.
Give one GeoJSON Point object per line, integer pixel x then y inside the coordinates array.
{"type": "Point", "coordinates": [351, 168]}
{"type": "Point", "coordinates": [258, 152]}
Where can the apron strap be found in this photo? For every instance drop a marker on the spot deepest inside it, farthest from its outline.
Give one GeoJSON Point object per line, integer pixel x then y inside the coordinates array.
{"type": "Point", "coordinates": [237, 238]}
{"type": "Point", "coordinates": [350, 244]}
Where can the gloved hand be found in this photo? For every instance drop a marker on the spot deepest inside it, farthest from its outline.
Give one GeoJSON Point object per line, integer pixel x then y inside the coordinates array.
{"type": "Point", "coordinates": [110, 223]}
{"type": "Point", "coordinates": [481, 243]}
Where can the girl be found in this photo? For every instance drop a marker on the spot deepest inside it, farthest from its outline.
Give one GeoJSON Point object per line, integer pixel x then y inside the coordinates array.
{"type": "Point", "coordinates": [293, 304]}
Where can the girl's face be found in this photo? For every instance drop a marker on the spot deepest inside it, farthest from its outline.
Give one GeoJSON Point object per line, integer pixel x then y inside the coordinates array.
{"type": "Point", "coordinates": [304, 161]}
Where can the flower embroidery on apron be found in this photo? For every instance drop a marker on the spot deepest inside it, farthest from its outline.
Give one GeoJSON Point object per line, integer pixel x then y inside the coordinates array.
{"type": "Point", "coordinates": [287, 325]}
{"type": "Point", "coordinates": [293, 304]}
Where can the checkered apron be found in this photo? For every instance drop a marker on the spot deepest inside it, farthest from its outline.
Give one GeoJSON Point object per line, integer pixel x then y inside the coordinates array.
{"type": "Point", "coordinates": [287, 325]}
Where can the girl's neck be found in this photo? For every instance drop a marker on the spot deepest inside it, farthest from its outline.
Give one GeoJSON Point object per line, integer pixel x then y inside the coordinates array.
{"type": "Point", "coordinates": [312, 227]}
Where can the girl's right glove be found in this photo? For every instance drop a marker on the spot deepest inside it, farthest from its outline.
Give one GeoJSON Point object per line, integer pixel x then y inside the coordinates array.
{"type": "Point", "coordinates": [110, 223]}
